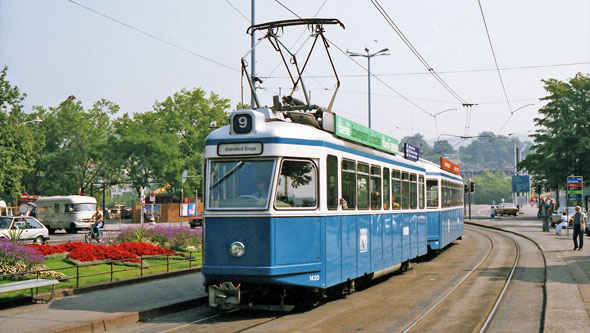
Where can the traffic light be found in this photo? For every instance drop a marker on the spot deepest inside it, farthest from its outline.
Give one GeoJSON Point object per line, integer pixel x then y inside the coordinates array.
{"type": "Point", "coordinates": [466, 189]}
{"type": "Point", "coordinates": [472, 186]}
{"type": "Point", "coordinates": [539, 188]}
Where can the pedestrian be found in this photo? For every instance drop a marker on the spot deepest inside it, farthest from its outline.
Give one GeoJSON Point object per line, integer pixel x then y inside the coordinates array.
{"type": "Point", "coordinates": [579, 219]}
{"type": "Point", "coordinates": [546, 215]}
{"type": "Point", "coordinates": [562, 224]}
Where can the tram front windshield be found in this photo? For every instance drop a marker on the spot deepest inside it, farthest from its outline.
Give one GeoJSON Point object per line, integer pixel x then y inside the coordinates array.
{"type": "Point", "coordinates": [240, 184]}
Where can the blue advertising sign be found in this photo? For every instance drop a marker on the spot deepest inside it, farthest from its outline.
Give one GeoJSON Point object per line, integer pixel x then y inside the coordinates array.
{"type": "Point", "coordinates": [574, 189]}
{"type": "Point", "coordinates": [521, 183]}
{"type": "Point", "coordinates": [411, 152]}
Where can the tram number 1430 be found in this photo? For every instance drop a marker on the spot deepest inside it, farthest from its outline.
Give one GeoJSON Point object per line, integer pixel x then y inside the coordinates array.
{"type": "Point", "coordinates": [314, 277]}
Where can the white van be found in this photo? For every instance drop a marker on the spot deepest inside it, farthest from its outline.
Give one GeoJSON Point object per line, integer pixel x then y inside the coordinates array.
{"type": "Point", "coordinates": [71, 212]}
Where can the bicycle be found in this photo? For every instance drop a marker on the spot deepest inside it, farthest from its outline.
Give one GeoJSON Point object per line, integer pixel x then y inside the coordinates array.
{"type": "Point", "coordinates": [91, 234]}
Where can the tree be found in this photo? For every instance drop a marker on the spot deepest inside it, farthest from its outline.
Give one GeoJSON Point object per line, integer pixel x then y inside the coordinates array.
{"type": "Point", "coordinates": [145, 150]}
{"type": "Point", "coordinates": [561, 144]}
{"type": "Point", "coordinates": [494, 152]}
{"type": "Point", "coordinates": [17, 146]}
{"type": "Point", "coordinates": [440, 149]}
{"type": "Point", "coordinates": [188, 115]}
{"type": "Point", "coordinates": [76, 151]}
{"type": "Point", "coordinates": [492, 187]}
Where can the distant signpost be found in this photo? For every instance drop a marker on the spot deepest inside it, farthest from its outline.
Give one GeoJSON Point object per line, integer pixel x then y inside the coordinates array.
{"type": "Point", "coordinates": [575, 185]}
{"type": "Point", "coordinates": [521, 184]}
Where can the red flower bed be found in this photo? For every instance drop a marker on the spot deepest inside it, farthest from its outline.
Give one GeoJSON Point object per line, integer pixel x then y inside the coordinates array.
{"type": "Point", "coordinates": [143, 249]}
{"type": "Point", "coordinates": [91, 252]}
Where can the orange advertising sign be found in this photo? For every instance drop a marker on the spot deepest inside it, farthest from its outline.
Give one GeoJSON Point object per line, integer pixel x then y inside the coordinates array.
{"type": "Point", "coordinates": [449, 166]}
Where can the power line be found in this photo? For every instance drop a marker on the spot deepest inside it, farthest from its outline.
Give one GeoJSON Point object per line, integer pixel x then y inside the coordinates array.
{"type": "Point", "coordinates": [448, 72]}
{"type": "Point", "coordinates": [406, 41]}
{"type": "Point", "coordinates": [287, 8]}
{"type": "Point", "coordinates": [153, 36]}
{"type": "Point", "coordinates": [237, 10]}
{"type": "Point", "coordinates": [494, 55]}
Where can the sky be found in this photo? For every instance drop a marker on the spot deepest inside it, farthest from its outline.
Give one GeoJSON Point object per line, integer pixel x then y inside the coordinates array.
{"type": "Point", "coordinates": [137, 52]}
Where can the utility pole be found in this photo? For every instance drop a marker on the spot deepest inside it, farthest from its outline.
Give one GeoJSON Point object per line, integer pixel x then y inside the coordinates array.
{"type": "Point", "coordinates": [252, 58]}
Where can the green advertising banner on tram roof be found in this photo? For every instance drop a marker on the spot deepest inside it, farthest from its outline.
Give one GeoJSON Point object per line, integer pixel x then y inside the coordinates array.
{"type": "Point", "coordinates": [356, 132]}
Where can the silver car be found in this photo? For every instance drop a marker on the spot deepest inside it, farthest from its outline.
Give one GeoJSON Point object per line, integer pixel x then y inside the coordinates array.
{"type": "Point", "coordinates": [23, 228]}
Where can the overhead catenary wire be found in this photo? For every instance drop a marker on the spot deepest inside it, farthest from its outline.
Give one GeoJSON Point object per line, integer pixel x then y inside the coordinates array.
{"type": "Point", "coordinates": [406, 41]}
{"type": "Point", "coordinates": [154, 36]}
{"type": "Point", "coordinates": [239, 12]}
{"type": "Point", "coordinates": [494, 55]}
{"type": "Point", "coordinates": [449, 71]}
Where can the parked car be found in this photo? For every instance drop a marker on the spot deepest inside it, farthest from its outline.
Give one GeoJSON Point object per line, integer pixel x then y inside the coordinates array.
{"type": "Point", "coordinates": [126, 213]}
{"type": "Point", "coordinates": [23, 228]}
{"type": "Point", "coordinates": [196, 221]}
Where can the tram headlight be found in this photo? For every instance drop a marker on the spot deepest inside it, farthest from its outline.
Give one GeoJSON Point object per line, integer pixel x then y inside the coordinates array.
{"type": "Point", "coordinates": [237, 249]}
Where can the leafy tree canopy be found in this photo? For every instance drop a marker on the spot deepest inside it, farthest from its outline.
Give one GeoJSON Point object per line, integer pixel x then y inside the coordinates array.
{"type": "Point", "coordinates": [561, 144]}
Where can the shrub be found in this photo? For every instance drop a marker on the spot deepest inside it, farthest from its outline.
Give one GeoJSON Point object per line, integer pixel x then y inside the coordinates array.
{"type": "Point", "coordinates": [11, 253]}
{"type": "Point", "coordinates": [176, 238]}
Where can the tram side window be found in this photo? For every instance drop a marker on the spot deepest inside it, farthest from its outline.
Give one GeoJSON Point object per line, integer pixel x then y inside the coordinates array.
{"type": "Point", "coordinates": [431, 193]}
{"type": "Point", "coordinates": [405, 190]}
{"type": "Point", "coordinates": [362, 179]}
{"type": "Point", "coordinates": [297, 185]}
{"type": "Point", "coordinates": [396, 188]}
{"type": "Point", "coordinates": [348, 184]}
{"type": "Point", "coordinates": [413, 191]}
{"type": "Point", "coordinates": [332, 179]}
{"type": "Point", "coordinates": [376, 192]}
{"type": "Point", "coordinates": [421, 192]}
{"type": "Point", "coordinates": [386, 189]}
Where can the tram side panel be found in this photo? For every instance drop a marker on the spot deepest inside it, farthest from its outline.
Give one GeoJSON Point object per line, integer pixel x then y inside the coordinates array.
{"type": "Point", "coordinates": [376, 243]}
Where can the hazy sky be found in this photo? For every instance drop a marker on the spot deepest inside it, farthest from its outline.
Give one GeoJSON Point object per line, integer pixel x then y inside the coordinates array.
{"type": "Point", "coordinates": [136, 52]}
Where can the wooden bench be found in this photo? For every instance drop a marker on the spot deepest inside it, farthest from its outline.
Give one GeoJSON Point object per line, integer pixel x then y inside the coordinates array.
{"type": "Point", "coordinates": [30, 284]}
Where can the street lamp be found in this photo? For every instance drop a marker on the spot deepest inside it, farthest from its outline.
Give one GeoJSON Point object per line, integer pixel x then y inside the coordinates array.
{"type": "Point", "coordinates": [369, 56]}
{"type": "Point", "coordinates": [524, 106]}
{"type": "Point", "coordinates": [436, 114]}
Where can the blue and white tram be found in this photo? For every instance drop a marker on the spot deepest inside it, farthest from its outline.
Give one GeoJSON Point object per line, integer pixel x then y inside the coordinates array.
{"type": "Point", "coordinates": [291, 209]}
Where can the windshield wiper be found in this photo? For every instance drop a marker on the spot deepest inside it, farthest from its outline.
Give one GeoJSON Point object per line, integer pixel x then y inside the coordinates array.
{"type": "Point", "coordinates": [229, 173]}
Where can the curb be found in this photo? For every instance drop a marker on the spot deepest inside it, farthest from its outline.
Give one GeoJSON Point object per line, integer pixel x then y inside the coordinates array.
{"type": "Point", "coordinates": [27, 300]}
{"type": "Point", "coordinates": [132, 318]}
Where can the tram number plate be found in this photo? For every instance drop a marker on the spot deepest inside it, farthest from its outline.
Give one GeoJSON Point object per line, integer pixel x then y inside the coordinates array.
{"type": "Point", "coordinates": [314, 277]}
{"type": "Point", "coordinates": [242, 123]}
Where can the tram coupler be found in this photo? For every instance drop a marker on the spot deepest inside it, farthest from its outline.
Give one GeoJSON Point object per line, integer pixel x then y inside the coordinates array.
{"type": "Point", "coordinates": [225, 296]}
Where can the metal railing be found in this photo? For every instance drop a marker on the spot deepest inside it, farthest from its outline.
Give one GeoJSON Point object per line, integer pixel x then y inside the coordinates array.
{"type": "Point", "coordinates": [142, 267]}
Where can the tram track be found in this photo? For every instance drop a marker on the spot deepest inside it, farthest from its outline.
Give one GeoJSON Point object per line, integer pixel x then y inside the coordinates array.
{"type": "Point", "coordinates": [488, 296]}
{"type": "Point", "coordinates": [484, 324]}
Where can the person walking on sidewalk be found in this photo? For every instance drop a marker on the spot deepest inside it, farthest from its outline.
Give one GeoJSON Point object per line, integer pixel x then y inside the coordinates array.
{"type": "Point", "coordinates": [580, 221]}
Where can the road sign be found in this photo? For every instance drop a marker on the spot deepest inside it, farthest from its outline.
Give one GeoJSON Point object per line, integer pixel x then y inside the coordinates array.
{"type": "Point", "coordinates": [521, 184]}
{"type": "Point", "coordinates": [152, 197]}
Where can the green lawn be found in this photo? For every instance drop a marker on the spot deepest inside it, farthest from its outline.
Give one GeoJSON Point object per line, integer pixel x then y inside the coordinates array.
{"type": "Point", "coordinates": [102, 272]}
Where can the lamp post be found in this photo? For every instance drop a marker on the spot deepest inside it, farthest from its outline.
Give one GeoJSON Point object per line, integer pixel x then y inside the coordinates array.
{"type": "Point", "coordinates": [524, 106]}
{"type": "Point", "coordinates": [369, 56]}
{"type": "Point", "coordinates": [439, 113]}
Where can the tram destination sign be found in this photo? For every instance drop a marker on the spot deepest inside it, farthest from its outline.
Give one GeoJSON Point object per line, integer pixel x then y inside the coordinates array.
{"type": "Point", "coordinates": [245, 148]}
{"type": "Point", "coordinates": [350, 130]}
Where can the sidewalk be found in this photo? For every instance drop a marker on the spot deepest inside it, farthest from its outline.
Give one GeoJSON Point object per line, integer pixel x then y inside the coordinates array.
{"type": "Point", "coordinates": [568, 272]}
{"type": "Point", "coordinates": [107, 309]}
